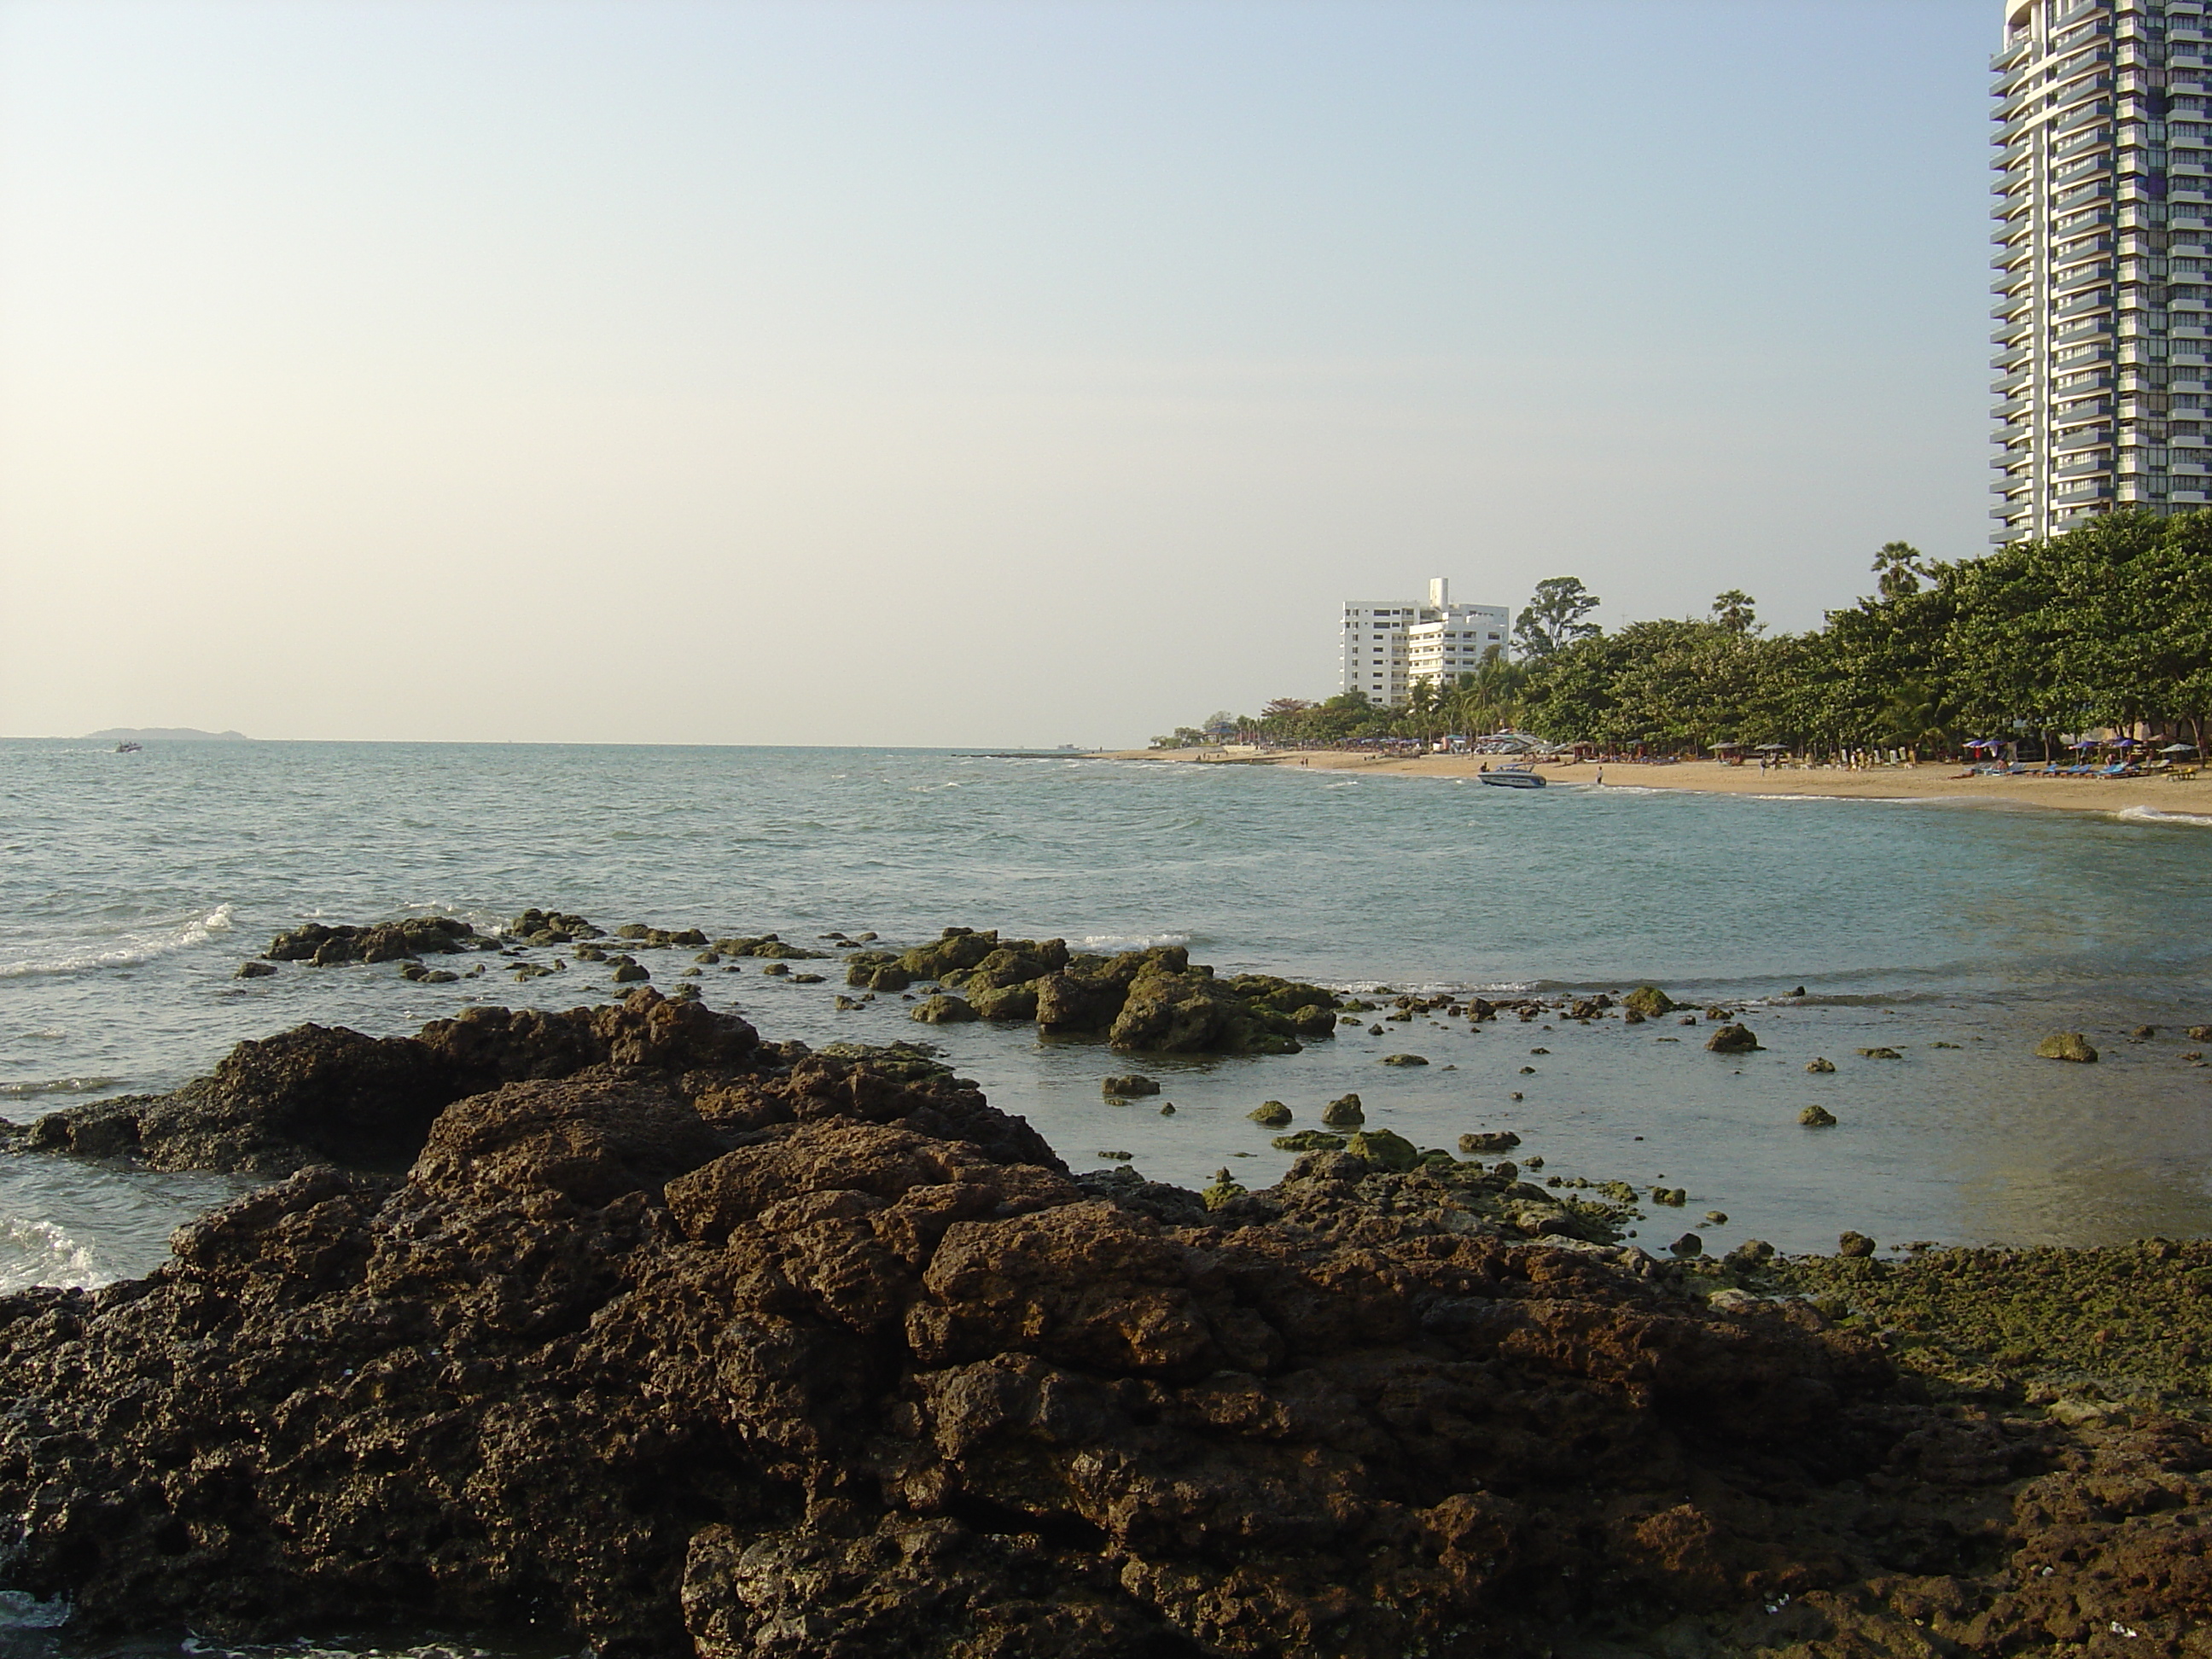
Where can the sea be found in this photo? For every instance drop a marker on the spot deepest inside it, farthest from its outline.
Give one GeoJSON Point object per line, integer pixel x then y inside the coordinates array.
{"type": "Point", "coordinates": [1920, 948]}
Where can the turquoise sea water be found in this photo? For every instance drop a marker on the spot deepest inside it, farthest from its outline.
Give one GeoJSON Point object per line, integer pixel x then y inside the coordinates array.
{"type": "Point", "coordinates": [132, 885]}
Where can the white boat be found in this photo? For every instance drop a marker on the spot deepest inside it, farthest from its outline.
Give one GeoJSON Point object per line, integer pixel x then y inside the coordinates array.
{"type": "Point", "coordinates": [1513, 777]}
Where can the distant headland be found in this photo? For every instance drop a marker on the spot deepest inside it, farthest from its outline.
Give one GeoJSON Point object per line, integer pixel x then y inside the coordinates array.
{"type": "Point", "coordinates": [163, 734]}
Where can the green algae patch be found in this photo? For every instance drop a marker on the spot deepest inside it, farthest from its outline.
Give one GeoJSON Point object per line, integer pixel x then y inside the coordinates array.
{"type": "Point", "coordinates": [2126, 1321]}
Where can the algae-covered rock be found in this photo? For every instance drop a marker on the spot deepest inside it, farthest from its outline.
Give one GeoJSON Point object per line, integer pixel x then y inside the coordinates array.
{"type": "Point", "coordinates": [1344, 1112]}
{"type": "Point", "coordinates": [1405, 1060]}
{"type": "Point", "coordinates": [1673, 1197]}
{"type": "Point", "coordinates": [1007, 1002]}
{"type": "Point", "coordinates": [1688, 1244]}
{"type": "Point", "coordinates": [1270, 1114]}
{"type": "Point", "coordinates": [1308, 1140]}
{"type": "Point", "coordinates": [1222, 1190]}
{"type": "Point", "coordinates": [1880, 1053]}
{"type": "Point", "coordinates": [1087, 994]}
{"type": "Point", "coordinates": [1187, 1011]}
{"type": "Point", "coordinates": [2066, 1045]}
{"type": "Point", "coordinates": [1384, 1149]}
{"type": "Point", "coordinates": [1817, 1117]}
{"type": "Point", "coordinates": [876, 970]}
{"type": "Point", "coordinates": [1499, 1140]}
{"type": "Point", "coordinates": [1129, 1085]}
{"type": "Point", "coordinates": [1733, 1040]}
{"type": "Point", "coordinates": [1855, 1245]}
{"type": "Point", "coordinates": [533, 922]}
{"type": "Point", "coordinates": [943, 1010]}
{"type": "Point", "coordinates": [254, 970]}
{"type": "Point", "coordinates": [1649, 1002]}
{"type": "Point", "coordinates": [383, 941]}
{"type": "Point", "coordinates": [1818, 1066]}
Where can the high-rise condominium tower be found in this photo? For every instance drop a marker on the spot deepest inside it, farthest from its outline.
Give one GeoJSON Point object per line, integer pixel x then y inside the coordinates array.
{"type": "Point", "coordinates": [2104, 111]}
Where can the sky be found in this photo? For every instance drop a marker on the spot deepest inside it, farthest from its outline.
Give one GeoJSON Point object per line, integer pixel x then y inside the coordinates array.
{"type": "Point", "coordinates": [887, 372]}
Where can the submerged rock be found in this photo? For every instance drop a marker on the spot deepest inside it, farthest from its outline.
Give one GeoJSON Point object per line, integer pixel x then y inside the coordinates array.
{"type": "Point", "coordinates": [1649, 1001]}
{"type": "Point", "coordinates": [382, 941]}
{"type": "Point", "coordinates": [1270, 1114]}
{"type": "Point", "coordinates": [1733, 1040]}
{"type": "Point", "coordinates": [1497, 1140]}
{"type": "Point", "coordinates": [942, 1010]}
{"type": "Point", "coordinates": [1344, 1111]}
{"type": "Point", "coordinates": [1817, 1117]}
{"type": "Point", "coordinates": [2066, 1045]}
{"type": "Point", "coordinates": [1819, 1065]}
{"type": "Point", "coordinates": [1129, 1085]}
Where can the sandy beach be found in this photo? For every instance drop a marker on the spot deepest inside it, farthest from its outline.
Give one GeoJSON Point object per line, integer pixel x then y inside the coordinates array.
{"type": "Point", "coordinates": [2188, 797]}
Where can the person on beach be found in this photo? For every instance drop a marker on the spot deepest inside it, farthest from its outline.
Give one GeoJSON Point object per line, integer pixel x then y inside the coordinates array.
{"type": "Point", "coordinates": [1601, 777]}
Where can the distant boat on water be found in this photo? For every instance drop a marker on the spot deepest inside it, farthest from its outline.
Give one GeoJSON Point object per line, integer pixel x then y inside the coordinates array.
{"type": "Point", "coordinates": [126, 747]}
{"type": "Point", "coordinates": [1513, 777]}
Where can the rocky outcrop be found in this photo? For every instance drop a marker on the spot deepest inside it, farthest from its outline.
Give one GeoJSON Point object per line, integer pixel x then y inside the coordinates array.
{"type": "Point", "coordinates": [382, 941]}
{"type": "Point", "coordinates": [808, 1356]}
{"type": "Point", "coordinates": [1152, 1000]}
{"type": "Point", "coordinates": [324, 1094]}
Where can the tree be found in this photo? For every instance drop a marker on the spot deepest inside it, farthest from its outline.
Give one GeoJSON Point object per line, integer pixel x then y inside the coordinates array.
{"type": "Point", "coordinates": [1284, 708]}
{"type": "Point", "coordinates": [1553, 618]}
{"type": "Point", "coordinates": [1898, 569]}
{"type": "Point", "coordinates": [1733, 610]}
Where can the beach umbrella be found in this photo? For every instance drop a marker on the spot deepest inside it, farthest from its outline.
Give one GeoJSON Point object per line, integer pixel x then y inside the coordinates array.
{"type": "Point", "coordinates": [2082, 743]}
{"type": "Point", "coordinates": [1778, 747]}
{"type": "Point", "coordinates": [2179, 748]}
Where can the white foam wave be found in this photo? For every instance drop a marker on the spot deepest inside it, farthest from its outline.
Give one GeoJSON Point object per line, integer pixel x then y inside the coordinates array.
{"type": "Point", "coordinates": [57, 1085]}
{"type": "Point", "coordinates": [40, 1253]}
{"type": "Point", "coordinates": [21, 1610]}
{"type": "Point", "coordinates": [125, 950]}
{"type": "Point", "coordinates": [2152, 815]}
{"type": "Point", "coordinates": [1102, 944]}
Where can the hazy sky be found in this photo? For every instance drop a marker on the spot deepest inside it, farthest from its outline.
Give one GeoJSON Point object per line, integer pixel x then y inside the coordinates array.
{"type": "Point", "coordinates": [863, 371]}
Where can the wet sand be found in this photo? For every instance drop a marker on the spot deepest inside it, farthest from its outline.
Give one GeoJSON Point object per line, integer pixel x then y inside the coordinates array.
{"type": "Point", "coordinates": [2188, 797]}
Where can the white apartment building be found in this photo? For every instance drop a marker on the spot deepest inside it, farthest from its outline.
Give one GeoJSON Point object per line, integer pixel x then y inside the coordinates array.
{"type": "Point", "coordinates": [2104, 261]}
{"type": "Point", "coordinates": [1390, 644]}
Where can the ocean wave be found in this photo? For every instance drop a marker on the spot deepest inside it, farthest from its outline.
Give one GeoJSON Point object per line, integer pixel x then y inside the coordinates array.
{"type": "Point", "coordinates": [57, 1085]}
{"type": "Point", "coordinates": [1102, 944]}
{"type": "Point", "coordinates": [40, 1253]}
{"type": "Point", "coordinates": [21, 1610]}
{"type": "Point", "coordinates": [2152, 815]}
{"type": "Point", "coordinates": [125, 950]}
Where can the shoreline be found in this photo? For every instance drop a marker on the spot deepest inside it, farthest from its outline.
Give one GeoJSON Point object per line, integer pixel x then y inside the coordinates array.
{"type": "Point", "coordinates": [2190, 798]}
{"type": "Point", "coordinates": [735, 1216]}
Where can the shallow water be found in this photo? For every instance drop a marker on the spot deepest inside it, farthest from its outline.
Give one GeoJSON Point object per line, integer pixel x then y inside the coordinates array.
{"type": "Point", "coordinates": [132, 886]}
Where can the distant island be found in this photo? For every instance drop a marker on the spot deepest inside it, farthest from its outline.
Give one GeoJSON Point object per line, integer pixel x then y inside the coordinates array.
{"type": "Point", "coordinates": [162, 734]}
